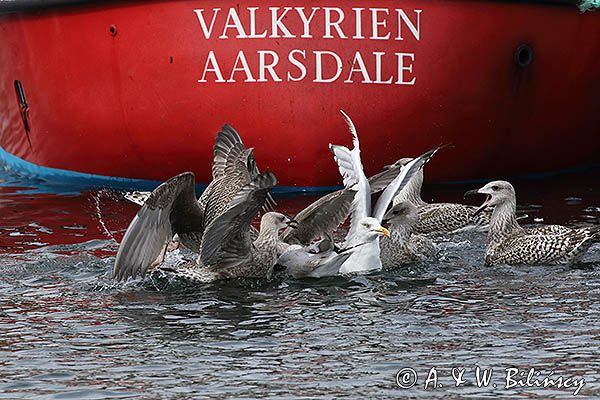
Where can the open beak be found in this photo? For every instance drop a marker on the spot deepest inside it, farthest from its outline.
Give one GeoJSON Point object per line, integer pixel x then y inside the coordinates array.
{"type": "Point", "coordinates": [383, 232]}
{"type": "Point", "coordinates": [484, 205]}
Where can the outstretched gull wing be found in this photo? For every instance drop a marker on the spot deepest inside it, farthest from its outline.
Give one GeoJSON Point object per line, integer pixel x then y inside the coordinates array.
{"type": "Point", "coordinates": [227, 150]}
{"type": "Point", "coordinates": [381, 180]}
{"type": "Point", "coordinates": [322, 216]}
{"type": "Point", "coordinates": [227, 239]}
{"type": "Point", "coordinates": [351, 169]}
{"type": "Point", "coordinates": [221, 191]}
{"type": "Point", "coordinates": [251, 164]}
{"type": "Point", "coordinates": [228, 141]}
{"type": "Point", "coordinates": [406, 173]}
{"type": "Point", "coordinates": [171, 208]}
{"type": "Point", "coordinates": [327, 213]}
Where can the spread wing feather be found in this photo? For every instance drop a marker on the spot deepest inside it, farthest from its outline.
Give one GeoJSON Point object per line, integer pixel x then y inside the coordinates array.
{"type": "Point", "coordinates": [171, 208]}
{"type": "Point", "coordinates": [328, 212]}
{"type": "Point", "coordinates": [345, 162]}
{"type": "Point", "coordinates": [350, 167]}
{"type": "Point", "coordinates": [228, 147]}
{"type": "Point", "coordinates": [252, 167]}
{"type": "Point", "coordinates": [381, 180]}
{"type": "Point", "coordinates": [227, 239]}
{"type": "Point", "coordinates": [227, 140]}
{"type": "Point", "coordinates": [323, 216]}
{"type": "Point", "coordinates": [406, 173]}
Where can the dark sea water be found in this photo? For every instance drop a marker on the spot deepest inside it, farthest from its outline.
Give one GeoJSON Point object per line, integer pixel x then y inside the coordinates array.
{"type": "Point", "coordinates": [68, 332]}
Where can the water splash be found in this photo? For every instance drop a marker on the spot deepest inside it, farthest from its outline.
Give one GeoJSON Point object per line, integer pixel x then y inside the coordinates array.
{"type": "Point", "coordinates": [96, 199]}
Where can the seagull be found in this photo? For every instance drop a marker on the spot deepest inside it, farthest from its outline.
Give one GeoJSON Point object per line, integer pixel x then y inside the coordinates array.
{"type": "Point", "coordinates": [326, 214]}
{"type": "Point", "coordinates": [365, 227]}
{"type": "Point", "coordinates": [314, 261]}
{"type": "Point", "coordinates": [230, 157]}
{"type": "Point", "coordinates": [227, 250]}
{"type": "Point", "coordinates": [435, 218]}
{"type": "Point", "coordinates": [403, 247]}
{"type": "Point", "coordinates": [509, 243]}
{"type": "Point", "coordinates": [217, 226]}
{"type": "Point", "coordinates": [233, 167]}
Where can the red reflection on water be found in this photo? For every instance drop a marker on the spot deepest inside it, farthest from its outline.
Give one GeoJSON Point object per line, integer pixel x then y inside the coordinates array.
{"type": "Point", "coordinates": [30, 221]}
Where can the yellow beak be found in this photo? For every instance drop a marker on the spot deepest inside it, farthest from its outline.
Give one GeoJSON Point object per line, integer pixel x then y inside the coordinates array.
{"type": "Point", "coordinates": [384, 232]}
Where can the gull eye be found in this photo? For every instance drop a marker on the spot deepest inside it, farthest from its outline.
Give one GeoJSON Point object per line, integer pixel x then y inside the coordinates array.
{"type": "Point", "coordinates": [495, 188]}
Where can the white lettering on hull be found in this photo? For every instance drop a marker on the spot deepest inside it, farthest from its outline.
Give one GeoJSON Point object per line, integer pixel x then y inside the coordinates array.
{"type": "Point", "coordinates": [305, 61]}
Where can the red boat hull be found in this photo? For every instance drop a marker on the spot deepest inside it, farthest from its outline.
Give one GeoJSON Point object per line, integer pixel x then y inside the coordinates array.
{"type": "Point", "coordinates": [128, 90]}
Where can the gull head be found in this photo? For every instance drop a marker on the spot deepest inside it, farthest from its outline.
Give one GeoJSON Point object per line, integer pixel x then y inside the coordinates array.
{"type": "Point", "coordinates": [402, 214]}
{"type": "Point", "coordinates": [370, 229]}
{"type": "Point", "coordinates": [497, 192]}
{"type": "Point", "coordinates": [277, 221]}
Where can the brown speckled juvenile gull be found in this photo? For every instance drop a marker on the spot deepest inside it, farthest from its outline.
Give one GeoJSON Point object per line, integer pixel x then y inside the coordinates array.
{"type": "Point", "coordinates": [509, 243]}
{"type": "Point", "coordinates": [233, 167]}
{"type": "Point", "coordinates": [434, 218]}
{"type": "Point", "coordinates": [226, 251]}
{"type": "Point", "coordinates": [404, 247]}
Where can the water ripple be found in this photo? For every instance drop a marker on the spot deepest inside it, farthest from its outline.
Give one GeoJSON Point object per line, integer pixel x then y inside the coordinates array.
{"type": "Point", "coordinates": [68, 331]}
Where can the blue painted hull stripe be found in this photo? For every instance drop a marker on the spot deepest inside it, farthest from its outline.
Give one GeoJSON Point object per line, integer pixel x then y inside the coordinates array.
{"type": "Point", "coordinates": [20, 167]}
{"type": "Point", "coordinates": [81, 180]}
